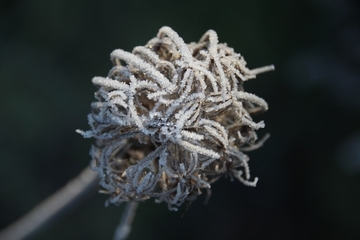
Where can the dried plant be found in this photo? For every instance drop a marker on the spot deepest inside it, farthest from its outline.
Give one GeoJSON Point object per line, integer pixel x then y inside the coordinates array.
{"type": "Point", "coordinates": [172, 118]}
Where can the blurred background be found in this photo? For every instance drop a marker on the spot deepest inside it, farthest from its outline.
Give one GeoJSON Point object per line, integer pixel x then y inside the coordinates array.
{"type": "Point", "coordinates": [309, 169]}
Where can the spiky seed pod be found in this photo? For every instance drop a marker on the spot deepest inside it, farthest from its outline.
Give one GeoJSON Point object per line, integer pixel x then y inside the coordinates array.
{"type": "Point", "coordinates": [172, 118]}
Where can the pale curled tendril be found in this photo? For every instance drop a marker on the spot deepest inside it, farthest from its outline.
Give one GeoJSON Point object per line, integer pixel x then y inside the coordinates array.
{"type": "Point", "coordinates": [172, 118]}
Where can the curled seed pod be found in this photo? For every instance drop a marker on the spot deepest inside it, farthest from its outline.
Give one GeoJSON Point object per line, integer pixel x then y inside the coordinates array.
{"type": "Point", "coordinates": [172, 118]}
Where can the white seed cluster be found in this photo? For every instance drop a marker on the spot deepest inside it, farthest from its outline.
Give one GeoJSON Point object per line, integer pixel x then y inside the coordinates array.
{"type": "Point", "coordinates": [172, 118]}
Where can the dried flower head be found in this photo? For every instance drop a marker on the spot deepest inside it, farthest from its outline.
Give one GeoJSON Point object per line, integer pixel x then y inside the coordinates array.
{"type": "Point", "coordinates": [172, 118]}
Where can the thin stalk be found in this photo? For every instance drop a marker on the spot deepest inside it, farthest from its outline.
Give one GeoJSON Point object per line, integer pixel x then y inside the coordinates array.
{"type": "Point", "coordinates": [52, 207]}
{"type": "Point", "coordinates": [124, 228]}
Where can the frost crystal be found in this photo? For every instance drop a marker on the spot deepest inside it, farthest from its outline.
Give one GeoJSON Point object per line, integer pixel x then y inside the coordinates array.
{"type": "Point", "coordinates": [172, 118]}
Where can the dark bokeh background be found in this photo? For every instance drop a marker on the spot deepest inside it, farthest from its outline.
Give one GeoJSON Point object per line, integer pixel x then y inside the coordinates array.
{"type": "Point", "coordinates": [309, 169]}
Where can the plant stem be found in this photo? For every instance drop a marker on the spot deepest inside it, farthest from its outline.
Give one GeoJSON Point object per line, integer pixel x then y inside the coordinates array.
{"type": "Point", "coordinates": [52, 207]}
{"type": "Point", "coordinates": [124, 228]}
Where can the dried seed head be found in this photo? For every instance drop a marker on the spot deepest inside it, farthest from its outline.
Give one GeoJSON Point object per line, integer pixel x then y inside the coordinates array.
{"type": "Point", "coordinates": [172, 118]}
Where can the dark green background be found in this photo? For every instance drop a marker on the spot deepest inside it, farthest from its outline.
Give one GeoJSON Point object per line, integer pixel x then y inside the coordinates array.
{"type": "Point", "coordinates": [309, 169]}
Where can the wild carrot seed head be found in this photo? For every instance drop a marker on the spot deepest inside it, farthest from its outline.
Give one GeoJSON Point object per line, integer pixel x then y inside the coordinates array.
{"type": "Point", "coordinates": [172, 118]}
